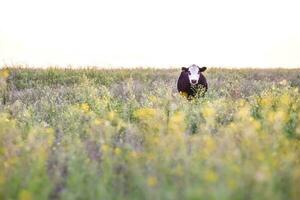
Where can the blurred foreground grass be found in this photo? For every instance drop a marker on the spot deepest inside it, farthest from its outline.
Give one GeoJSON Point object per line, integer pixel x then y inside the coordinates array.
{"type": "Point", "coordinates": [127, 134]}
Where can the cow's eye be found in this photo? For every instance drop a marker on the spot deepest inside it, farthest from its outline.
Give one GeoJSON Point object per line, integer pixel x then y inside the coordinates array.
{"type": "Point", "coordinates": [189, 73]}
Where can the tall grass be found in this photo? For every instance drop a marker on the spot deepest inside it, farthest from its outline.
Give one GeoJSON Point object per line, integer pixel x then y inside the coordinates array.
{"type": "Point", "coordinates": [127, 134]}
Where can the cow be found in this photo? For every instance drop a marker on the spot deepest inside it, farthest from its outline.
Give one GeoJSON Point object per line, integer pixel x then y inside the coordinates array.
{"type": "Point", "coordinates": [191, 82]}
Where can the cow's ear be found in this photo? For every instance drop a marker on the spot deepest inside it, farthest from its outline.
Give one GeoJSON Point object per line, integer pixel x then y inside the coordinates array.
{"type": "Point", "coordinates": [184, 69]}
{"type": "Point", "coordinates": [202, 69]}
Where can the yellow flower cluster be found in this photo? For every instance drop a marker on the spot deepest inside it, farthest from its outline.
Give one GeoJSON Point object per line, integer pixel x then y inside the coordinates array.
{"type": "Point", "coordinates": [151, 146]}
{"type": "Point", "coordinates": [145, 113]}
{"type": "Point", "coordinates": [152, 181]}
{"type": "Point", "coordinates": [85, 107]}
{"type": "Point", "coordinates": [4, 73]}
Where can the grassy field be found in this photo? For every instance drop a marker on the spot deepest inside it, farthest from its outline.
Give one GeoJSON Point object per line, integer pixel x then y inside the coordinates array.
{"type": "Point", "coordinates": [128, 134]}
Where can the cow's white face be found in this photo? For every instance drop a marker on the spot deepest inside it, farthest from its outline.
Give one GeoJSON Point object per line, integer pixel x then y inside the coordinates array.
{"type": "Point", "coordinates": [194, 74]}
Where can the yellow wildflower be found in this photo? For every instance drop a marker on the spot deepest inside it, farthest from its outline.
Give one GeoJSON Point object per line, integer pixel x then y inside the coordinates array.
{"type": "Point", "coordinates": [211, 176]}
{"type": "Point", "coordinates": [241, 102]}
{"type": "Point", "coordinates": [208, 111]}
{"type": "Point", "coordinates": [145, 113]}
{"type": "Point", "coordinates": [85, 107]}
{"type": "Point", "coordinates": [266, 101]}
{"type": "Point", "coordinates": [134, 154]}
{"type": "Point", "coordinates": [277, 118]}
{"type": "Point", "coordinates": [210, 143]}
{"type": "Point", "coordinates": [184, 94]}
{"type": "Point", "coordinates": [150, 118]}
{"type": "Point", "coordinates": [98, 121]}
{"type": "Point", "coordinates": [285, 100]}
{"type": "Point", "coordinates": [153, 98]}
{"type": "Point", "coordinates": [25, 195]}
{"type": "Point", "coordinates": [152, 181]}
{"type": "Point", "coordinates": [117, 151]}
{"type": "Point", "coordinates": [244, 112]}
{"type": "Point", "coordinates": [176, 123]}
{"type": "Point", "coordinates": [105, 148]}
{"type": "Point", "coordinates": [260, 156]}
{"type": "Point", "coordinates": [111, 115]}
{"type": "Point", "coordinates": [232, 184]}
{"type": "Point", "coordinates": [4, 73]}
{"type": "Point", "coordinates": [151, 157]}
{"type": "Point", "coordinates": [155, 140]}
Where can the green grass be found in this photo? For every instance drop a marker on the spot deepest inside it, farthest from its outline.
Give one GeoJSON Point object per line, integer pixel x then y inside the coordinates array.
{"type": "Point", "coordinates": [128, 134]}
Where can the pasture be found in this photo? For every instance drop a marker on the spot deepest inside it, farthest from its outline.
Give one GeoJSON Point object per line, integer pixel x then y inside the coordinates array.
{"type": "Point", "coordinates": [127, 134]}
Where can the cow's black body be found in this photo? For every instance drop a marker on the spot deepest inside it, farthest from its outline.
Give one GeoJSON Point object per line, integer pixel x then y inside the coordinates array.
{"type": "Point", "coordinates": [184, 86]}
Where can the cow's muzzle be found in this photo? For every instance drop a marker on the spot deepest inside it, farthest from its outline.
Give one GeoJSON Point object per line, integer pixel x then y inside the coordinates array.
{"type": "Point", "coordinates": [193, 81]}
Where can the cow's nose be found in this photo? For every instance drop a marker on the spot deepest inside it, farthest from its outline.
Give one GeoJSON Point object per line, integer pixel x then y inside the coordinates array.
{"type": "Point", "coordinates": [194, 81]}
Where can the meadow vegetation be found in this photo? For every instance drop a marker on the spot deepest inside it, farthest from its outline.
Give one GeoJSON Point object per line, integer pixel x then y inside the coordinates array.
{"type": "Point", "coordinates": [128, 134]}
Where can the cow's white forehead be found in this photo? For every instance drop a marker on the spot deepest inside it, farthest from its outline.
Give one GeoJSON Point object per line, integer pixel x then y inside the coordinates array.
{"type": "Point", "coordinates": [194, 69]}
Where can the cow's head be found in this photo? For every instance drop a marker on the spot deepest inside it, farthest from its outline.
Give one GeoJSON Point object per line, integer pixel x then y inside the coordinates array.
{"type": "Point", "coordinates": [193, 72]}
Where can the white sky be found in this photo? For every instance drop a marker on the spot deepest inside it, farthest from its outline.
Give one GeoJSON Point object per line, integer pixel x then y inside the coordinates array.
{"type": "Point", "coordinates": [157, 33]}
